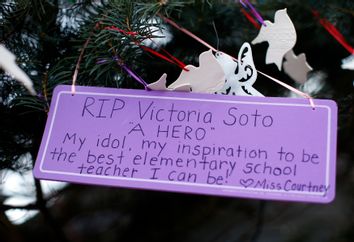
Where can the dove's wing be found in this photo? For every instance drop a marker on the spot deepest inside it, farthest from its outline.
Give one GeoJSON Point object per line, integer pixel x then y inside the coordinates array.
{"type": "Point", "coordinates": [274, 55]}
{"type": "Point", "coordinates": [229, 66]}
{"type": "Point", "coordinates": [283, 39]}
{"type": "Point", "coordinates": [254, 92]}
{"type": "Point", "coordinates": [263, 33]}
{"type": "Point", "coordinates": [296, 67]}
{"type": "Point", "coordinates": [185, 77]}
{"type": "Point", "coordinates": [227, 63]}
{"type": "Point", "coordinates": [159, 85]}
{"type": "Point", "coordinates": [209, 77]}
{"type": "Point", "coordinates": [247, 71]}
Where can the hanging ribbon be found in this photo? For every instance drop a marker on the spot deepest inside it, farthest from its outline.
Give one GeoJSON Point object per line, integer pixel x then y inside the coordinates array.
{"type": "Point", "coordinates": [333, 31]}
{"type": "Point", "coordinates": [118, 60]}
{"type": "Point", "coordinates": [187, 32]}
{"type": "Point", "coordinates": [169, 58]}
{"type": "Point", "coordinates": [77, 67]}
{"type": "Point", "coordinates": [250, 19]}
{"type": "Point", "coordinates": [246, 4]}
{"type": "Point", "coordinates": [132, 73]}
{"type": "Point", "coordinates": [121, 63]}
{"type": "Point", "coordinates": [132, 33]}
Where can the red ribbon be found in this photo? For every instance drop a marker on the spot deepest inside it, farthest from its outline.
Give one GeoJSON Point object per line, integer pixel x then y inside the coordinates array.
{"type": "Point", "coordinates": [250, 18]}
{"type": "Point", "coordinates": [333, 31]}
{"type": "Point", "coordinates": [169, 58]}
{"type": "Point", "coordinates": [121, 30]}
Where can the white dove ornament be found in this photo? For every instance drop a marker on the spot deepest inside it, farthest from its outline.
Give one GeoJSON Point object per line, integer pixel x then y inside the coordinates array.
{"type": "Point", "coordinates": [296, 67]}
{"type": "Point", "coordinates": [241, 75]}
{"type": "Point", "coordinates": [280, 35]}
{"type": "Point", "coordinates": [209, 77]}
{"type": "Point", "coordinates": [160, 85]}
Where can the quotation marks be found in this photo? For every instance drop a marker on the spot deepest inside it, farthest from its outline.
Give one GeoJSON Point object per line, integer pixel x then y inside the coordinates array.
{"type": "Point", "coordinates": [246, 182]}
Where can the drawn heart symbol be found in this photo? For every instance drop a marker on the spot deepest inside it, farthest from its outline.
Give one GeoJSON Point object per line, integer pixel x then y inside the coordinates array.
{"type": "Point", "coordinates": [246, 182]}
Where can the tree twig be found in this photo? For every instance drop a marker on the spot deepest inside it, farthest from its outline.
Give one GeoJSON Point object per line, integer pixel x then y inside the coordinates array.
{"type": "Point", "coordinates": [42, 204]}
{"type": "Point", "coordinates": [260, 222]}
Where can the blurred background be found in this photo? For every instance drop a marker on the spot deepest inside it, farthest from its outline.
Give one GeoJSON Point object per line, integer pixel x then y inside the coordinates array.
{"type": "Point", "coordinates": [49, 36]}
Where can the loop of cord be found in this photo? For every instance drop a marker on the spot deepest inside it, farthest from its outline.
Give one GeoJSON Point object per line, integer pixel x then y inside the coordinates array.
{"type": "Point", "coordinates": [76, 72]}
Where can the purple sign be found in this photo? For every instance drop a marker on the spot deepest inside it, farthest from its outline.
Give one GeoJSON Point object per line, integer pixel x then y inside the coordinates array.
{"type": "Point", "coordinates": [251, 147]}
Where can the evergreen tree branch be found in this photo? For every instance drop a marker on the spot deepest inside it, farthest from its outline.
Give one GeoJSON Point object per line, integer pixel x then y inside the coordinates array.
{"type": "Point", "coordinates": [42, 205]}
{"type": "Point", "coordinates": [260, 222]}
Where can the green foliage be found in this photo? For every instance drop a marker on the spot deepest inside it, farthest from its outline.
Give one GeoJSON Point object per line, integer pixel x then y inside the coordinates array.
{"type": "Point", "coordinates": [48, 52]}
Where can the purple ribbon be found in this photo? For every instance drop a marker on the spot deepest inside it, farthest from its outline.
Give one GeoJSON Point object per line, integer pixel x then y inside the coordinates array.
{"type": "Point", "coordinates": [255, 13]}
{"type": "Point", "coordinates": [127, 69]}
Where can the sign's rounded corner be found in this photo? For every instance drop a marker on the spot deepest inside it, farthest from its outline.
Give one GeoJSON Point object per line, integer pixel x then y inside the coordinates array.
{"type": "Point", "coordinates": [330, 198]}
{"type": "Point", "coordinates": [37, 173]}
